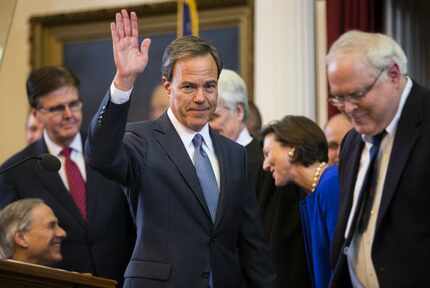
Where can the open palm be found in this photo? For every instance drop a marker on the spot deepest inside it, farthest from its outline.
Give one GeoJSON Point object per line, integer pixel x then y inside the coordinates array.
{"type": "Point", "coordinates": [130, 57]}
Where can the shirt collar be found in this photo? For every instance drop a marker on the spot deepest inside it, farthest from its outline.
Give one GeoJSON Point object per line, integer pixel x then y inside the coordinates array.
{"type": "Point", "coordinates": [186, 134]}
{"type": "Point", "coordinates": [55, 149]}
{"type": "Point", "coordinates": [244, 137]}
{"type": "Point", "coordinates": [392, 127]}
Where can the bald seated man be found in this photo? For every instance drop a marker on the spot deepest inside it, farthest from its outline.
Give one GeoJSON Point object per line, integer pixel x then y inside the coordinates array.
{"type": "Point", "coordinates": [335, 129]}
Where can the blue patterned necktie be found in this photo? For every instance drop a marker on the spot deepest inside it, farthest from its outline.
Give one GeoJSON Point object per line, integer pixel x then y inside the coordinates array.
{"type": "Point", "coordinates": [206, 175]}
{"type": "Point", "coordinates": [369, 184]}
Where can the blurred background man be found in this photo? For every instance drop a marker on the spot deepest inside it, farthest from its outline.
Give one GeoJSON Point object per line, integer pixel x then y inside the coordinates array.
{"type": "Point", "coordinates": [335, 129]}
{"type": "Point", "coordinates": [254, 122]}
{"type": "Point", "coordinates": [29, 232]}
{"type": "Point", "coordinates": [33, 129]}
{"type": "Point", "coordinates": [229, 119]}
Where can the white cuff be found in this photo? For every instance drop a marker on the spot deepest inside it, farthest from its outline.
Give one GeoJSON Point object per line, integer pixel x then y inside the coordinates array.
{"type": "Point", "coordinates": [118, 96]}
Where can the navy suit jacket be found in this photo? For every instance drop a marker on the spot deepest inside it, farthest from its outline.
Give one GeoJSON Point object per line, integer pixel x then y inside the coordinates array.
{"type": "Point", "coordinates": [400, 251]}
{"type": "Point", "coordinates": [102, 246]}
{"type": "Point", "coordinates": [177, 242]}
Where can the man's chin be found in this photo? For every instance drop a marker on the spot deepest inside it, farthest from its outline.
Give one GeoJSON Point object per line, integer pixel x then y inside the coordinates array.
{"type": "Point", "coordinates": [67, 136]}
{"type": "Point", "coordinates": [197, 124]}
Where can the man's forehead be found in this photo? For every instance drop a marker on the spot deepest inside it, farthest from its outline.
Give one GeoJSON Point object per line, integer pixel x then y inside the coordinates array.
{"type": "Point", "coordinates": [62, 95]}
{"type": "Point", "coordinates": [197, 65]}
{"type": "Point", "coordinates": [347, 62]}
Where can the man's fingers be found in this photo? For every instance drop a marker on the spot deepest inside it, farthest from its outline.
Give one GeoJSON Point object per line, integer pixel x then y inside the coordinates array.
{"type": "Point", "coordinates": [114, 33]}
{"type": "Point", "coordinates": [119, 25]}
{"type": "Point", "coordinates": [134, 25]}
{"type": "Point", "coordinates": [126, 22]}
{"type": "Point", "coordinates": [144, 46]}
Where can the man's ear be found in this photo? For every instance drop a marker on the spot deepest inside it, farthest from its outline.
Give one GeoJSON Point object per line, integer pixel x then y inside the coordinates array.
{"type": "Point", "coordinates": [21, 240]}
{"type": "Point", "coordinates": [240, 112]}
{"type": "Point", "coordinates": [394, 72]}
{"type": "Point", "coordinates": [35, 114]}
{"type": "Point", "coordinates": [167, 85]}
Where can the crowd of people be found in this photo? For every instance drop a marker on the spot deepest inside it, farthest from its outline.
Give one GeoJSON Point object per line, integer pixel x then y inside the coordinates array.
{"type": "Point", "coordinates": [201, 195]}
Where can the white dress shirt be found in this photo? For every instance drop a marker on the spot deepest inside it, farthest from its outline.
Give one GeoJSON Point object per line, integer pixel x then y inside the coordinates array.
{"type": "Point", "coordinates": [244, 137]}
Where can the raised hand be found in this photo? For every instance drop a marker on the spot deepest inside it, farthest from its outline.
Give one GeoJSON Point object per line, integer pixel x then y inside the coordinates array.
{"type": "Point", "coordinates": [130, 57]}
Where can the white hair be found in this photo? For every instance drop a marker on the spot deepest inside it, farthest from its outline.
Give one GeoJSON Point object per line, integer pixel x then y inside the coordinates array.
{"type": "Point", "coordinates": [379, 50]}
{"type": "Point", "coordinates": [232, 91]}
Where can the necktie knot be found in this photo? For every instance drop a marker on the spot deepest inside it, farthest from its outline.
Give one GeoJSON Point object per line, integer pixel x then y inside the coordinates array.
{"type": "Point", "coordinates": [376, 139]}
{"type": "Point", "coordinates": [197, 141]}
{"type": "Point", "coordinates": [66, 152]}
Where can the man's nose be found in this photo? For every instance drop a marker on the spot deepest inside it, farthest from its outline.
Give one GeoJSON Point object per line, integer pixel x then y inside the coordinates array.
{"type": "Point", "coordinates": [67, 111]}
{"type": "Point", "coordinates": [61, 233]}
{"type": "Point", "coordinates": [266, 165]}
{"type": "Point", "coordinates": [349, 106]}
{"type": "Point", "coordinates": [199, 96]}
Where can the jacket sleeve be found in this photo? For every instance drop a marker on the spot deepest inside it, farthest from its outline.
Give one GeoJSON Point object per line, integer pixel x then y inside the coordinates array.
{"type": "Point", "coordinates": [104, 147]}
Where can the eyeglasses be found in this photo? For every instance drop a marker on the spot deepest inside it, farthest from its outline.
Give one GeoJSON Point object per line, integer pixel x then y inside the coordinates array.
{"type": "Point", "coordinates": [74, 106]}
{"type": "Point", "coordinates": [338, 100]}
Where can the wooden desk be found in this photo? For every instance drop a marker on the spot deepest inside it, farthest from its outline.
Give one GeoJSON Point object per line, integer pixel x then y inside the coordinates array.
{"type": "Point", "coordinates": [14, 274]}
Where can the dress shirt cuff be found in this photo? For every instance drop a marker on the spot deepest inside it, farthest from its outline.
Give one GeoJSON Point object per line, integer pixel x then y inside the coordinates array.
{"type": "Point", "coordinates": [118, 96]}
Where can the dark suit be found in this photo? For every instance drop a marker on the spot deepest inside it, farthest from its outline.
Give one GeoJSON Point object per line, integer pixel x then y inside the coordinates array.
{"type": "Point", "coordinates": [177, 243]}
{"type": "Point", "coordinates": [280, 213]}
{"type": "Point", "coordinates": [103, 245]}
{"type": "Point", "coordinates": [400, 251]}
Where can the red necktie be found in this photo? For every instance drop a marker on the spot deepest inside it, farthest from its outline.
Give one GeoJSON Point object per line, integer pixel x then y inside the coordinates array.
{"type": "Point", "coordinates": [76, 182]}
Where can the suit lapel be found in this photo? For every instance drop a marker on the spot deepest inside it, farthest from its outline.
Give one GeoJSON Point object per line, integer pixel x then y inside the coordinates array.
{"type": "Point", "coordinates": [55, 186]}
{"type": "Point", "coordinates": [221, 154]}
{"type": "Point", "coordinates": [407, 133]}
{"type": "Point", "coordinates": [92, 188]}
{"type": "Point", "coordinates": [351, 177]}
{"type": "Point", "coordinates": [169, 139]}
{"type": "Point", "coordinates": [350, 162]}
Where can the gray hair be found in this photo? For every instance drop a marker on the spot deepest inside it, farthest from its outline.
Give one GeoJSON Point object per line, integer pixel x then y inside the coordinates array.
{"type": "Point", "coordinates": [184, 47]}
{"type": "Point", "coordinates": [379, 50]}
{"type": "Point", "coordinates": [232, 92]}
{"type": "Point", "coordinates": [15, 217]}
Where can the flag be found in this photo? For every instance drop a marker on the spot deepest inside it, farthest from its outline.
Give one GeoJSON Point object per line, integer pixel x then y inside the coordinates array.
{"type": "Point", "coordinates": [188, 19]}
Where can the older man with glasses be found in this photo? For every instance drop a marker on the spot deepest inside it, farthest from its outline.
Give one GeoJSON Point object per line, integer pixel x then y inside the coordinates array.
{"type": "Point", "coordinates": [383, 227]}
{"type": "Point", "coordinates": [92, 209]}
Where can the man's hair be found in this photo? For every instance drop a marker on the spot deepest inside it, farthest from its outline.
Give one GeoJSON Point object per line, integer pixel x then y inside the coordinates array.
{"type": "Point", "coordinates": [304, 135]}
{"type": "Point", "coordinates": [185, 47]}
{"type": "Point", "coordinates": [232, 92]}
{"type": "Point", "coordinates": [15, 217]}
{"type": "Point", "coordinates": [255, 121]}
{"type": "Point", "coordinates": [379, 50]}
{"type": "Point", "coordinates": [47, 79]}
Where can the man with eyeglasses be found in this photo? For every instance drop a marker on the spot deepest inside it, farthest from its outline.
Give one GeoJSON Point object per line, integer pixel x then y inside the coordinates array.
{"type": "Point", "coordinates": [92, 209]}
{"type": "Point", "coordinates": [382, 235]}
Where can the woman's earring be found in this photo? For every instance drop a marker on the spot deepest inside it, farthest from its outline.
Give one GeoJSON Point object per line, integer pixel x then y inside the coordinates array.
{"type": "Point", "coordinates": [291, 154]}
